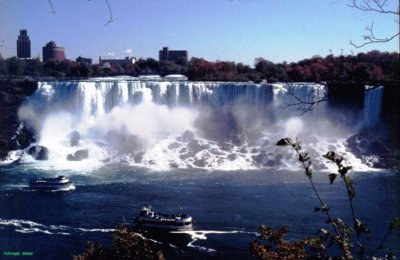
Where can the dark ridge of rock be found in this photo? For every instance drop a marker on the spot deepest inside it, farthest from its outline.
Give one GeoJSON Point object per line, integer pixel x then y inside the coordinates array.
{"type": "Point", "coordinates": [200, 163]}
{"type": "Point", "coordinates": [12, 136]}
{"type": "Point", "coordinates": [173, 145]}
{"type": "Point", "coordinates": [254, 150]}
{"type": "Point", "coordinates": [232, 156]}
{"type": "Point", "coordinates": [196, 147]}
{"type": "Point", "coordinates": [74, 138]}
{"type": "Point", "coordinates": [243, 150]}
{"type": "Point", "coordinates": [187, 136]}
{"type": "Point", "coordinates": [138, 157]}
{"type": "Point", "coordinates": [227, 147]}
{"type": "Point", "coordinates": [174, 165]}
{"type": "Point", "coordinates": [186, 156]}
{"type": "Point", "coordinates": [78, 155]}
{"type": "Point", "coordinates": [371, 142]}
{"type": "Point", "coordinates": [38, 152]}
{"type": "Point", "coordinates": [124, 142]}
{"type": "Point", "coordinates": [260, 159]}
{"type": "Point", "coordinates": [183, 150]}
{"type": "Point", "coordinates": [216, 151]}
{"type": "Point", "coordinates": [220, 126]}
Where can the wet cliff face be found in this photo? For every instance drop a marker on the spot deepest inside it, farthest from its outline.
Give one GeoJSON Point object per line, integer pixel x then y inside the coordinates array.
{"type": "Point", "coordinates": [391, 113]}
{"type": "Point", "coordinates": [12, 94]}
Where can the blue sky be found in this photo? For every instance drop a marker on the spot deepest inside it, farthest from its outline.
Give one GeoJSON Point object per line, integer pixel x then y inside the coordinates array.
{"type": "Point", "coordinates": [234, 30]}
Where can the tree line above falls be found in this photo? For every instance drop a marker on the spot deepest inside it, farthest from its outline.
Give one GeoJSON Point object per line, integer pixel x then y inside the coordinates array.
{"type": "Point", "coordinates": [370, 68]}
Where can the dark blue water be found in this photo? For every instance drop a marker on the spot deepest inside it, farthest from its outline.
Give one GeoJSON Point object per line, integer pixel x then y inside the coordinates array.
{"type": "Point", "coordinates": [56, 225]}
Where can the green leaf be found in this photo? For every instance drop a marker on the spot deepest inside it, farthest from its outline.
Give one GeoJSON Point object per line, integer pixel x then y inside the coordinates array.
{"type": "Point", "coordinates": [352, 192]}
{"type": "Point", "coordinates": [285, 141]}
{"type": "Point", "coordinates": [309, 173]}
{"type": "Point", "coordinates": [364, 228]}
{"type": "Point", "coordinates": [332, 177]}
{"type": "Point", "coordinates": [344, 170]}
{"type": "Point", "coordinates": [359, 227]}
{"type": "Point", "coordinates": [347, 180]}
{"type": "Point", "coordinates": [324, 208]}
{"type": "Point", "coordinates": [334, 157]}
{"type": "Point", "coordinates": [313, 241]}
{"type": "Point", "coordinates": [330, 156]}
{"type": "Point", "coordinates": [303, 157]}
{"type": "Point", "coordinates": [338, 159]}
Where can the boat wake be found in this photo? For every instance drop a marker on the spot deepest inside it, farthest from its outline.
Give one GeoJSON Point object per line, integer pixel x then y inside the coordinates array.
{"type": "Point", "coordinates": [197, 235]}
{"type": "Point", "coordinates": [27, 226]}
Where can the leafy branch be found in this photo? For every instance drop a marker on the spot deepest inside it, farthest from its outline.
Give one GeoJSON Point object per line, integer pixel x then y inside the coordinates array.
{"type": "Point", "coordinates": [358, 226]}
{"type": "Point", "coordinates": [305, 160]}
{"type": "Point", "coordinates": [278, 248]}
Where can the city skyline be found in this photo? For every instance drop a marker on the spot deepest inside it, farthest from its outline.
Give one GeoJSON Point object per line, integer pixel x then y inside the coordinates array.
{"type": "Point", "coordinates": [229, 30]}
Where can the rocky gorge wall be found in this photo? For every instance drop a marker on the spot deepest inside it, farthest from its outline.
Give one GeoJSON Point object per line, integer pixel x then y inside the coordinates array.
{"type": "Point", "coordinates": [380, 137]}
{"type": "Point", "coordinates": [12, 94]}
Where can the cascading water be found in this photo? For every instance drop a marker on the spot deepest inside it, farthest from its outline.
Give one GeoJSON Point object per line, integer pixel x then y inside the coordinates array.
{"type": "Point", "coordinates": [164, 124]}
{"type": "Point", "coordinates": [372, 105]}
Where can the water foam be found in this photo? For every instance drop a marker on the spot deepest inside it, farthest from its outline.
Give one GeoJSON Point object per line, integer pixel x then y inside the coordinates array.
{"type": "Point", "coordinates": [27, 226]}
{"type": "Point", "coordinates": [197, 235]}
{"type": "Point", "coordinates": [162, 124]}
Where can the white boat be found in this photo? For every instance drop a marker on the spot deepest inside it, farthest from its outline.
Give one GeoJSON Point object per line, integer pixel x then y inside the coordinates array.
{"type": "Point", "coordinates": [160, 220]}
{"type": "Point", "coordinates": [60, 183]}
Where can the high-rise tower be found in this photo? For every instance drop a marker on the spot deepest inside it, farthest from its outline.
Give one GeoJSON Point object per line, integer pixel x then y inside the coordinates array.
{"type": "Point", "coordinates": [23, 45]}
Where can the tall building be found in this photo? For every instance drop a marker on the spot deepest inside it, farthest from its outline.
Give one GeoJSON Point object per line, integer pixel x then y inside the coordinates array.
{"type": "Point", "coordinates": [175, 55]}
{"type": "Point", "coordinates": [52, 52]}
{"type": "Point", "coordinates": [23, 45]}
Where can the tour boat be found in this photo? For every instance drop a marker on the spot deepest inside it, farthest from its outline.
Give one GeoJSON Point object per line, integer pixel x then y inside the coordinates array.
{"type": "Point", "coordinates": [60, 183]}
{"type": "Point", "coordinates": [160, 220]}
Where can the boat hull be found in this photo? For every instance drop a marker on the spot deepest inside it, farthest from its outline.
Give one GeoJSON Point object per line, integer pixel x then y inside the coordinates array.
{"type": "Point", "coordinates": [52, 187]}
{"type": "Point", "coordinates": [156, 226]}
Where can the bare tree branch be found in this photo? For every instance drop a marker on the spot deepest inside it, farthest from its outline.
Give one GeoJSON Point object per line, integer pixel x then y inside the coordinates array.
{"type": "Point", "coordinates": [52, 7]}
{"type": "Point", "coordinates": [377, 6]}
{"type": "Point", "coordinates": [304, 106]}
{"type": "Point", "coordinates": [371, 38]}
{"type": "Point", "coordinates": [110, 20]}
{"type": "Point", "coordinates": [111, 15]}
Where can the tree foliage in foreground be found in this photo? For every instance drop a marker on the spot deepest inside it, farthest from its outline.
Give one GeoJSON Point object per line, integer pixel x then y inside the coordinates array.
{"type": "Point", "coordinates": [349, 239]}
{"type": "Point", "coordinates": [127, 244]}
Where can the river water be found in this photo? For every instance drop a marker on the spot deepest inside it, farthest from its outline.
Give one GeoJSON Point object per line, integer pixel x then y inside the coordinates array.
{"type": "Point", "coordinates": [227, 207]}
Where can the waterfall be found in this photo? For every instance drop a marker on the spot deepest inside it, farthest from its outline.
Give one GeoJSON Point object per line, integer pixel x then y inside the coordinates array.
{"type": "Point", "coordinates": [372, 105]}
{"type": "Point", "coordinates": [165, 123]}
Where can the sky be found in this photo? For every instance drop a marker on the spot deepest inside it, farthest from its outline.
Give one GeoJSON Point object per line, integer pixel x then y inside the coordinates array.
{"type": "Point", "coordinates": [227, 30]}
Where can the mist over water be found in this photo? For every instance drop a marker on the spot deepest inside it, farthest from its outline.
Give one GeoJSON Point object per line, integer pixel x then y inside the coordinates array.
{"type": "Point", "coordinates": [162, 124]}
